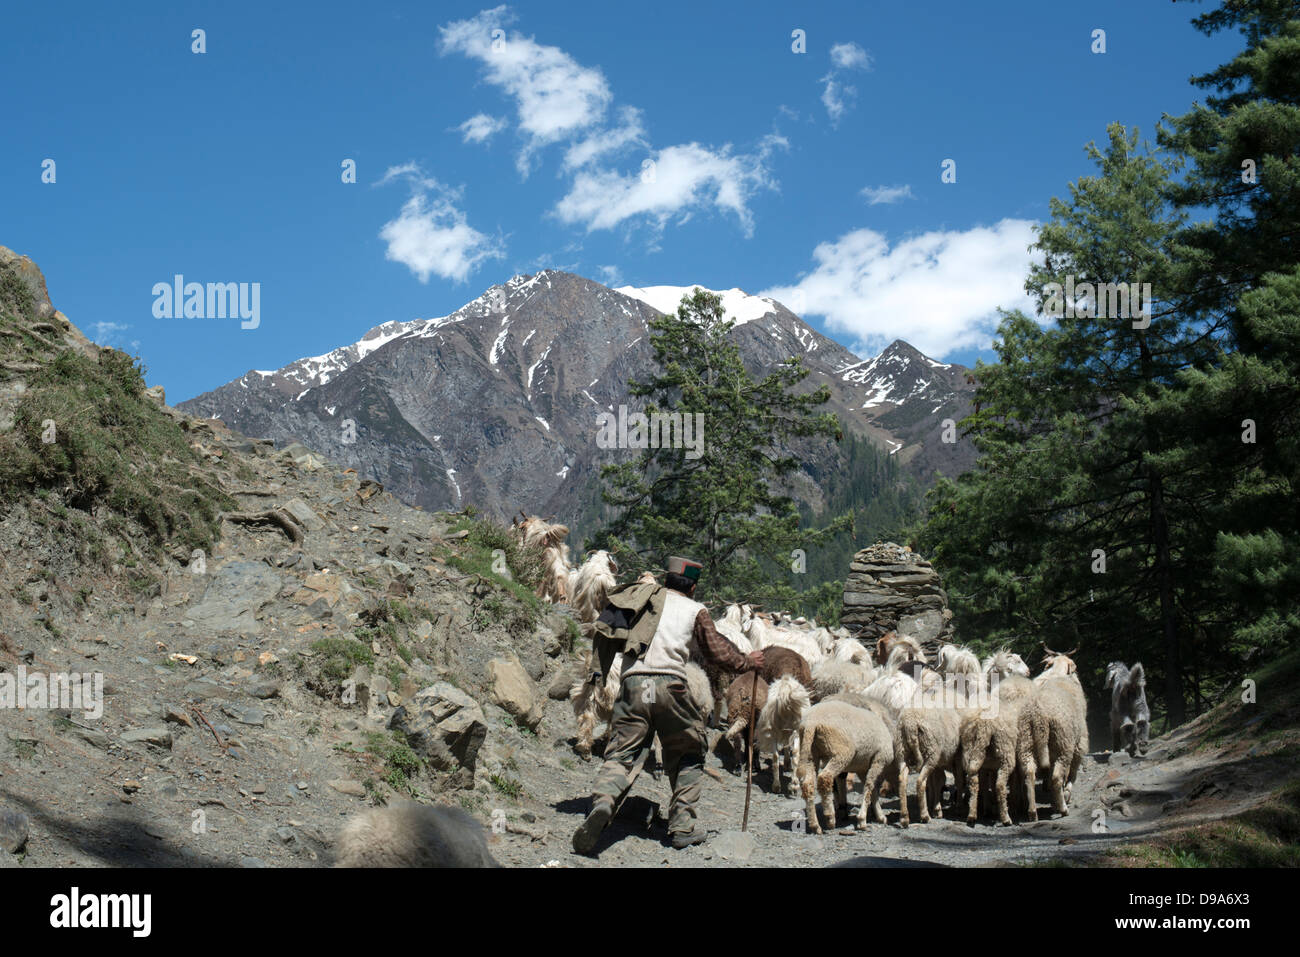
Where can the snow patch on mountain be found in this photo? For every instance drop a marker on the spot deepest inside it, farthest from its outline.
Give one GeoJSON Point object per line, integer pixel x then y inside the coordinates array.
{"type": "Point", "coordinates": [738, 305]}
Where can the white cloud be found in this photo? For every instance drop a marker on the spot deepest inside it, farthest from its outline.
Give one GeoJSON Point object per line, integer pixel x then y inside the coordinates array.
{"type": "Point", "coordinates": [850, 56]}
{"type": "Point", "coordinates": [559, 101]}
{"type": "Point", "coordinates": [610, 275]}
{"type": "Point", "coordinates": [555, 96]}
{"type": "Point", "coordinates": [837, 96]}
{"type": "Point", "coordinates": [940, 290]}
{"type": "Point", "coordinates": [480, 128]}
{"type": "Point", "coordinates": [682, 179]}
{"type": "Point", "coordinates": [105, 332]}
{"type": "Point", "coordinates": [628, 132]}
{"type": "Point", "coordinates": [886, 194]}
{"type": "Point", "coordinates": [110, 334]}
{"type": "Point", "coordinates": [431, 235]}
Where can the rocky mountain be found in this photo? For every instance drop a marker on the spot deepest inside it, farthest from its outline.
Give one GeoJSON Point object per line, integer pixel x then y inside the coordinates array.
{"type": "Point", "coordinates": [497, 403]}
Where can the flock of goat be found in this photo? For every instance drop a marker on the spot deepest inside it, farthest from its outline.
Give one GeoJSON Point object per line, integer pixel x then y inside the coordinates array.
{"type": "Point", "coordinates": [829, 706]}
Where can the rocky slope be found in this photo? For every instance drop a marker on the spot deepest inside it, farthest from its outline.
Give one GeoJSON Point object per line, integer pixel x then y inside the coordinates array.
{"type": "Point", "coordinates": [496, 404]}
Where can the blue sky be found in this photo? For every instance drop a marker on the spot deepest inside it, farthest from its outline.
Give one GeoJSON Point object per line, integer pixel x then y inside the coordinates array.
{"type": "Point", "coordinates": [814, 176]}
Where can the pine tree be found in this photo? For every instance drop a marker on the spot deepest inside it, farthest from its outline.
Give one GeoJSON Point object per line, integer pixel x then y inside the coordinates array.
{"type": "Point", "coordinates": [728, 508]}
{"type": "Point", "coordinates": [1068, 530]}
{"type": "Point", "coordinates": [1241, 414]}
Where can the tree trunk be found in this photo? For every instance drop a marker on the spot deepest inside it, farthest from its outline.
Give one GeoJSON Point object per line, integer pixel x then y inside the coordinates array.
{"type": "Point", "coordinates": [1168, 613]}
{"type": "Point", "coordinates": [1175, 711]}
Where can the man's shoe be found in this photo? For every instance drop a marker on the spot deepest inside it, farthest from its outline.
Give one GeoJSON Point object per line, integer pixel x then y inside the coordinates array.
{"type": "Point", "coordinates": [584, 838]}
{"type": "Point", "coordinates": [684, 839]}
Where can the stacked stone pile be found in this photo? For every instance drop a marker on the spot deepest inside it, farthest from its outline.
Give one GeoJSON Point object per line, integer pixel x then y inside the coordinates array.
{"type": "Point", "coordinates": [892, 588]}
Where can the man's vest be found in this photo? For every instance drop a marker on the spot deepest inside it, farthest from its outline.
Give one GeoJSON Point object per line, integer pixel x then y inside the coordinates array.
{"type": "Point", "coordinates": [627, 623]}
{"type": "Point", "coordinates": [669, 649]}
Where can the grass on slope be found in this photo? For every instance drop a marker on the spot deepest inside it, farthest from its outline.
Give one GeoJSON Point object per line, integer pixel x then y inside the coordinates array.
{"type": "Point", "coordinates": [83, 427]}
{"type": "Point", "coordinates": [1265, 836]}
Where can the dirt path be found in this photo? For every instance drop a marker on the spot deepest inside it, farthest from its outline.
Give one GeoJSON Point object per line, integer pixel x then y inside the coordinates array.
{"type": "Point", "coordinates": [1117, 799]}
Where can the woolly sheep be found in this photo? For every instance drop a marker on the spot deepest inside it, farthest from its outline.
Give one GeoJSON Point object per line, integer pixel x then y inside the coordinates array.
{"type": "Point", "coordinates": [1052, 739]}
{"type": "Point", "coordinates": [988, 743]}
{"type": "Point", "coordinates": [406, 834]}
{"type": "Point", "coordinates": [928, 740]}
{"type": "Point", "coordinates": [831, 677]}
{"type": "Point", "coordinates": [894, 687]}
{"type": "Point", "coordinates": [837, 738]}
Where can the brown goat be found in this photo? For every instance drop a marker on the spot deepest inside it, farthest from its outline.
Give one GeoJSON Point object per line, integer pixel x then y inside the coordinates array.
{"type": "Point", "coordinates": [779, 662]}
{"type": "Point", "coordinates": [739, 709]}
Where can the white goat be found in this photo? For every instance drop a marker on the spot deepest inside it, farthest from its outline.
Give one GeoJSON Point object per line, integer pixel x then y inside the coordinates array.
{"type": "Point", "coordinates": [590, 584]}
{"type": "Point", "coordinates": [594, 703]}
{"type": "Point", "coordinates": [1003, 664]}
{"type": "Point", "coordinates": [895, 688]}
{"type": "Point", "coordinates": [763, 632]}
{"type": "Point", "coordinates": [1056, 665]}
{"type": "Point", "coordinates": [777, 729]}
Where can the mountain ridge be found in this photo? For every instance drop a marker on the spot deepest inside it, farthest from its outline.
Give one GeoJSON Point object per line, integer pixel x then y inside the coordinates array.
{"type": "Point", "coordinates": [496, 402]}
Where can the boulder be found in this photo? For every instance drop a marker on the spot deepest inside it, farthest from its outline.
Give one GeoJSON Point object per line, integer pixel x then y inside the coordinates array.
{"type": "Point", "coordinates": [562, 683]}
{"type": "Point", "coordinates": [513, 690]}
{"type": "Point", "coordinates": [157, 736]}
{"type": "Point", "coordinates": [234, 596]}
{"type": "Point", "coordinates": [303, 514]}
{"type": "Point", "coordinates": [14, 830]}
{"type": "Point", "coordinates": [443, 724]}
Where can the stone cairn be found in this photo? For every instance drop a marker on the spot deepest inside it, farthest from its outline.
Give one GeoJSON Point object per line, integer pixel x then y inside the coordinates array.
{"type": "Point", "coordinates": [892, 588]}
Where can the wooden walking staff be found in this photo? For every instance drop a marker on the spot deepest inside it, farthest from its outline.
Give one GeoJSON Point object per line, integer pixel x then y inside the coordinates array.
{"type": "Point", "coordinates": [749, 750]}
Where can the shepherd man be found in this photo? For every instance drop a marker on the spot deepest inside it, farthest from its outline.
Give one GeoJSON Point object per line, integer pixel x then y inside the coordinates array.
{"type": "Point", "coordinates": [654, 700]}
